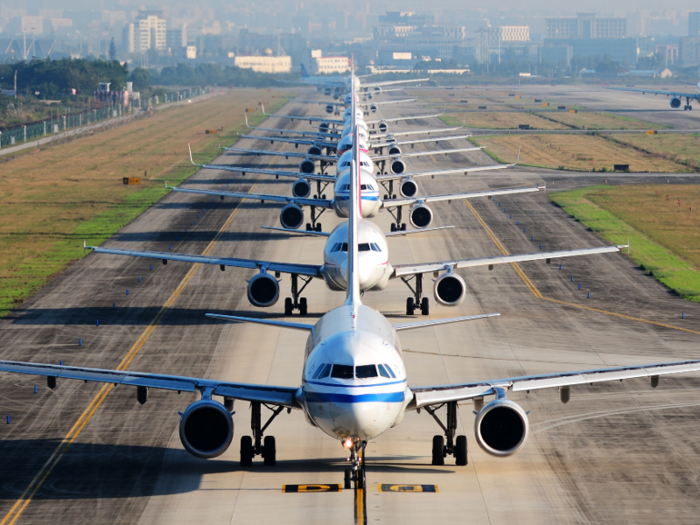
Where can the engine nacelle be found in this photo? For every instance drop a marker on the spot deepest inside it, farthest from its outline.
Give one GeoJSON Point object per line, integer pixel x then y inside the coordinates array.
{"type": "Point", "coordinates": [675, 102]}
{"type": "Point", "coordinates": [314, 150]}
{"type": "Point", "coordinates": [408, 188]}
{"type": "Point", "coordinates": [501, 428]}
{"type": "Point", "coordinates": [307, 166]}
{"type": "Point", "coordinates": [291, 217]}
{"type": "Point", "coordinates": [373, 108]}
{"type": "Point", "coordinates": [330, 108]}
{"type": "Point", "coordinates": [377, 90]}
{"type": "Point", "coordinates": [323, 127]}
{"type": "Point", "coordinates": [263, 290]}
{"type": "Point", "coordinates": [394, 150]}
{"type": "Point", "coordinates": [206, 429]}
{"type": "Point", "coordinates": [398, 166]}
{"type": "Point", "coordinates": [301, 188]}
{"type": "Point", "coordinates": [327, 91]}
{"type": "Point", "coordinates": [449, 289]}
{"type": "Point", "coordinates": [382, 126]}
{"type": "Point", "coordinates": [420, 216]}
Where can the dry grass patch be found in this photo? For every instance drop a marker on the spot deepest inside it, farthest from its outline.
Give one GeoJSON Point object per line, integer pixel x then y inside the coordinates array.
{"type": "Point", "coordinates": [574, 152]}
{"type": "Point", "coordinates": [680, 148]}
{"type": "Point", "coordinates": [499, 120]}
{"type": "Point", "coordinates": [53, 198]}
{"type": "Point", "coordinates": [594, 121]}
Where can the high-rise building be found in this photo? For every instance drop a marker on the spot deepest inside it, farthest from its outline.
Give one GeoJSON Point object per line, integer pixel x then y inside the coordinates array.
{"type": "Point", "coordinates": [176, 39]}
{"type": "Point", "coordinates": [501, 34]}
{"type": "Point", "coordinates": [151, 32]}
{"type": "Point", "coordinates": [694, 23]}
{"type": "Point", "coordinates": [586, 25]}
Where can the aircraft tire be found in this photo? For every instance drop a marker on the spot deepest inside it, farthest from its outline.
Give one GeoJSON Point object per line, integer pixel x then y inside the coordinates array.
{"type": "Point", "coordinates": [425, 306]}
{"type": "Point", "coordinates": [393, 227]}
{"type": "Point", "coordinates": [288, 306]}
{"type": "Point", "coordinates": [247, 451]}
{"type": "Point", "coordinates": [303, 306]}
{"type": "Point", "coordinates": [348, 479]}
{"type": "Point", "coordinates": [438, 450]}
{"type": "Point", "coordinates": [410, 306]}
{"type": "Point", "coordinates": [319, 228]}
{"type": "Point", "coordinates": [269, 451]}
{"type": "Point", "coordinates": [461, 451]}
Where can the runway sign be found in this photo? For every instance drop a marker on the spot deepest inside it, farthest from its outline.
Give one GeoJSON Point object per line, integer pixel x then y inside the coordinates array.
{"type": "Point", "coordinates": [651, 132]}
{"type": "Point", "coordinates": [408, 488]}
{"type": "Point", "coordinates": [131, 181]}
{"type": "Point", "coordinates": [288, 489]}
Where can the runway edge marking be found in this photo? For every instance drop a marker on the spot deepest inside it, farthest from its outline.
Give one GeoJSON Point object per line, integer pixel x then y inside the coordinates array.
{"type": "Point", "coordinates": [21, 504]}
{"type": "Point", "coordinates": [537, 293]}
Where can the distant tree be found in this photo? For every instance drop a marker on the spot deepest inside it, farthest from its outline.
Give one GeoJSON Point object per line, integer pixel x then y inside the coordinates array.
{"type": "Point", "coordinates": [112, 50]}
{"type": "Point", "coordinates": [141, 79]}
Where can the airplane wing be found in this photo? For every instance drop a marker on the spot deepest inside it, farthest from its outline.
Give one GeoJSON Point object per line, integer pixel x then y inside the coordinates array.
{"type": "Point", "coordinates": [309, 270]}
{"type": "Point", "coordinates": [385, 102]}
{"type": "Point", "coordinates": [394, 203]}
{"type": "Point", "coordinates": [401, 270]}
{"type": "Point", "coordinates": [319, 203]}
{"type": "Point", "coordinates": [390, 82]}
{"type": "Point", "coordinates": [466, 171]}
{"type": "Point", "coordinates": [305, 142]}
{"type": "Point", "coordinates": [310, 119]}
{"type": "Point", "coordinates": [275, 395]}
{"type": "Point", "coordinates": [655, 92]}
{"type": "Point", "coordinates": [291, 131]}
{"type": "Point", "coordinates": [433, 395]}
{"type": "Point", "coordinates": [326, 158]}
{"type": "Point", "coordinates": [423, 153]}
{"type": "Point", "coordinates": [419, 141]}
{"type": "Point", "coordinates": [327, 234]}
{"type": "Point", "coordinates": [398, 119]}
{"type": "Point", "coordinates": [416, 132]}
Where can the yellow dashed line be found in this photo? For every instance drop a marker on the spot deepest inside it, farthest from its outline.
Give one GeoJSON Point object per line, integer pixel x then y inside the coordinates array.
{"type": "Point", "coordinates": [537, 293]}
{"type": "Point", "coordinates": [21, 504]}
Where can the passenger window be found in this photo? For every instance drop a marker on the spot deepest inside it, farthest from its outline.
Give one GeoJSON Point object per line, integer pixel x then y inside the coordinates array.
{"type": "Point", "coordinates": [391, 372]}
{"type": "Point", "coordinates": [382, 371]}
{"type": "Point", "coordinates": [365, 371]}
{"type": "Point", "coordinates": [342, 372]}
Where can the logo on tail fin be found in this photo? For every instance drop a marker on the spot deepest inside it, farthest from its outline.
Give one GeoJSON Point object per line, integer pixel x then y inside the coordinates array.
{"type": "Point", "coordinates": [304, 73]}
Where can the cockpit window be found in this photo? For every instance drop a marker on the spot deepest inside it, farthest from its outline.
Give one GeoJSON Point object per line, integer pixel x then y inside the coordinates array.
{"type": "Point", "coordinates": [382, 371]}
{"type": "Point", "coordinates": [375, 247]}
{"type": "Point", "coordinates": [391, 372]}
{"type": "Point", "coordinates": [364, 247]}
{"type": "Point", "coordinates": [342, 372]}
{"type": "Point", "coordinates": [365, 371]}
{"type": "Point", "coordinates": [323, 371]}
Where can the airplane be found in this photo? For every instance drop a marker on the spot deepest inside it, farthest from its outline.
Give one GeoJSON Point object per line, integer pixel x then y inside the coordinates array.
{"type": "Point", "coordinates": [677, 95]}
{"type": "Point", "coordinates": [332, 107]}
{"type": "Point", "coordinates": [354, 385]}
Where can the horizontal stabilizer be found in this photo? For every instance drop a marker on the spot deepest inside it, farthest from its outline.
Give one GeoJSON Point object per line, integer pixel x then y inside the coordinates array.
{"type": "Point", "coordinates": [435, 322]}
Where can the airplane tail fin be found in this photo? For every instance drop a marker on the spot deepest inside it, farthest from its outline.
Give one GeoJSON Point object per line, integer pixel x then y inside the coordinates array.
{"type": "Point", "coordinates": [355, 215]}
{"type": "Point", "coordinates": [304, 73]}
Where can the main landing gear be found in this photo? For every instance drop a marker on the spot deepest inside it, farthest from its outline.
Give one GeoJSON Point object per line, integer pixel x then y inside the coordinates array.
{"type": "Point", "coordinates": [417, 302]}
{"type": "Point", "coordinates": [256, 446]}
{"type": "Point", "coordinates": [356, 472]}
{"type": "Point", "coordinates": [315, 226]}
{"type": "Point", "coordinates": [295, 302]}
{"type": "Point", "coordinates": [447, 444]}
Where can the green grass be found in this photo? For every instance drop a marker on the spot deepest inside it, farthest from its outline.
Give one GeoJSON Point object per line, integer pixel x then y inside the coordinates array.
{"type": "Point", "coordinates": [660, 261]}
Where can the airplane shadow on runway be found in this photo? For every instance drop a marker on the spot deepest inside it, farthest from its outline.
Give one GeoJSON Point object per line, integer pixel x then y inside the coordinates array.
{"type": "Point", "coordinates": [100, 471]}
{"type": "Point", "coordinates": [135, 316]}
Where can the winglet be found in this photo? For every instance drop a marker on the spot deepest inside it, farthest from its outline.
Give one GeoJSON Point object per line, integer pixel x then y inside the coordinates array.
{"type": "Point", "coordinates": [263, 109]}
{"type": "Point", "coordinates": [246, 119]}
{"type": "Point", "coordinates": [84, 244]}
{"type": "Point", "coordinates": [191, 159]}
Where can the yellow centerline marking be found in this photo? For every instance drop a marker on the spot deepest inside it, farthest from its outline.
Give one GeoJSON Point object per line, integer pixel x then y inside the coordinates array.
{"type": "Point", "coordinates": [21, 504]}
{"type": "Point", "coordinates": [538, 295]}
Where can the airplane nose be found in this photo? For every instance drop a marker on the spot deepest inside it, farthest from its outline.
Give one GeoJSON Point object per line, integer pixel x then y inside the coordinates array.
{"type": "Point", "coordinates": [364, 272]}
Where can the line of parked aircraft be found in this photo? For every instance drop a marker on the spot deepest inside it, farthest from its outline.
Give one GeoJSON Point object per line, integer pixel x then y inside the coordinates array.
{"type": "Point", "coordinates": [354, 384]}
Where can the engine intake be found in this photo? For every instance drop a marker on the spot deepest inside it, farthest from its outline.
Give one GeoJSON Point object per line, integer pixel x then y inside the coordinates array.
{"type": "Point", "coordinates": [314, 150]}
{"type": "Point", "coordinates": [327, 91]}
{"type": "Point", "coordinates": [373, 108]}
{"type": "Point", "coordinates": [420, 216]}
{"type": "Point", "coordinates": [449, 289]}
{"type": "Point", "coordinates": [301, 188]}
{"type": "Point", "coordinates": [263, 290]}
{"type": "Point", "coordinates": [382, 126]}
{"type": "Point", "coordinates": [398, 166]}
{"type": "Point", "coordinates": [675, 102]}
{"type": "Point", "coordinates": [206, 429]}
{"type": "Point", "coordinates": [408, 188]}
{"type": "Point", "coordinates": [394, 150]}
{"type": "Point", "coordinates": [307, 166]}
{"type": "Point", "coordinates": [291, 217]}
{"type": "Point", "coordinates": [501, 428]}
{"type": "Point", "coordinates": [330, 108]}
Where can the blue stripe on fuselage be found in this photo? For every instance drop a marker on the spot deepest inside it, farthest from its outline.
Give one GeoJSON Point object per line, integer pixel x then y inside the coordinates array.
{"type": "Point", "coordinates": [327, 397]}
{"type": "Point", "coordinates": [363, 197]}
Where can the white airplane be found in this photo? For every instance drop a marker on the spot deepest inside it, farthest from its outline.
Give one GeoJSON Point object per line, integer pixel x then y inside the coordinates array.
{"type": "Point", "coordinates": [354, 386]}
{"type": "Point", "coordinates": [334, 107]}
{"type": "Point", "coordinates": [677, 95]}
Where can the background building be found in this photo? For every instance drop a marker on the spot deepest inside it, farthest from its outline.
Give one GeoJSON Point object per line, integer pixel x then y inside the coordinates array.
{"type": "Point", "coordinates": [694, 24]}
{"type": "Point", "coordinates": [586, 25]}
{"type": "Point", "coordinates": [319, 64]}
{"type": "Point", "coordinates": [264, 64]}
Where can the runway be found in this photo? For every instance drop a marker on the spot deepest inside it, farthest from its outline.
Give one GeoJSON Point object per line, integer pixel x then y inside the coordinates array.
{"type": "Point", "coordinates": [616, 453]}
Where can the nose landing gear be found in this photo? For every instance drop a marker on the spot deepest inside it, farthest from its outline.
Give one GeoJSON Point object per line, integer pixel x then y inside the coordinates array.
{"type": "Point", "coordinates": [356, 472]}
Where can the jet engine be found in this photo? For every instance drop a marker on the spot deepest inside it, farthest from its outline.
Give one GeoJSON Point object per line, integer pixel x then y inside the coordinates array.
{"type": "Point", "coordinates": [408, 188]}
{"type": "Point", "coordinates": [314, 150]}
{"type": "Point", "coordinates": [377, 90]}
{"type": "Point", "coordinates": [420, 216]}
{"type": "Point", "coordinates": [307, 166]}
{"type": "Point", "coordinates": [263, 290]}
{"type": "Point", "coordinates": [398, 166]}
{"type": "Point", "coordinates": [449, 289]}
{"type": "Point", "coordinates": [301, 188]}
{"type": "Point", "coordinates": [675, 102]}
{"type": "Point", "coordinates": [382, 126]}
{"type": "Point", "coordinates": [330, 108]}
{"type": "Point", "coordinates": [501, 428]}
{"type": "Point", "coordinates": [327, 91]}
{"type": "Point", "coordinates": [394, 150]}
{"type": "Point", "coordinates": [206, 429]}
{"type": "Point", "coordinates": [291, 217]}
{"type": "Point", "coordinates": [373, 108]}
{"type": "Point", "coordinates": [323, 127]}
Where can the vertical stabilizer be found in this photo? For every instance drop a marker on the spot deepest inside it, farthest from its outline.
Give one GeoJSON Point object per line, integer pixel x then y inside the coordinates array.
{"type": "Point", "coordinates": [353, 297]}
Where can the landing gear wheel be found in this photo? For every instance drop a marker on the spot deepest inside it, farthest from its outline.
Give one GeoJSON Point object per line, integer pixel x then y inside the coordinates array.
{"type": "Point", "coordinates": [303, 308]}
{"type": "Point", "coordinates": [461, 451]}
{"type": "Point", "coordinates": [269, 452]}
{"type": "Point", "coordinates": [348, 479]}
{"type": "Point", "coordinates": [438, 450]}
{"type": "Point", "coordinates": [361, 480]}
{"type": "Point", "coordinates": [386, 196]}
{"type": "Point", "coordinates": [425, 306]}
{"type": "Point", "coordinates": [247, 451]}
{"type": "Point", "coordinates": [403, 227]}
{"type": "Point", "coordinates": [323, 196]}
{"type": "Point", "coordinates": [308, 227]}
{"type": "Point", "coordinates": [393, 196]}
{"type": "Point", "coordinates": [410, 306]}
{"type": "Point", "coordinates": [393, 227]}
{"type": "Point", "coordinates": [319, 228]}
{"type": "Point", "coordinates": [288, 306]}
